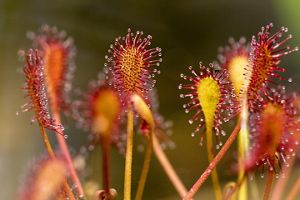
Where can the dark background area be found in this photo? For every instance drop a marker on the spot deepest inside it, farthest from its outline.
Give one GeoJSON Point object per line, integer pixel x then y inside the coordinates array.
{"type": "Point", "coordinates": [187, 32]}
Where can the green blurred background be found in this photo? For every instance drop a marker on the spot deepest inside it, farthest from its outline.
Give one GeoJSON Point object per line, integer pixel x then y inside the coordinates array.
{"type": "Point", "coordinates": [187, 31]}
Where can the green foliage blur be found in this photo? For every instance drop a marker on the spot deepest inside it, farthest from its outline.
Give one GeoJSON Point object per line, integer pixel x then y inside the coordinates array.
{"type": "Point", "coordinates": [187, 31]}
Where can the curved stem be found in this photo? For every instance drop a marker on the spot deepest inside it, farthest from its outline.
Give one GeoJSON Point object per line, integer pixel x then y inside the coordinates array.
{"type": "Point", "coordinates": [214, 174]}
{"type": "Point", "coordinates": [292, 195]}
{"type": "Point", "coordinates": [268, 186]}
{"type": "Point", "coordinates": [168, 168]}
{"type": "Point", "coordinates": [50, 151]}
{"type": "Point", "coordinates": [280, 185]}
{"type": "Point", "coordinates": [145, 169]}
{"type": "Point", "coordinates": [213, 164]}
{"type": "Point", "coordinates": [128, 158]}
{"type": "Point", "coordinates": [65, 151]}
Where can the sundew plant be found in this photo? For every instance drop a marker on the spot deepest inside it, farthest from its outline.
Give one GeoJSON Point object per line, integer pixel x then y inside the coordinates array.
{"type": "Point", "coordinates": [244, 85]}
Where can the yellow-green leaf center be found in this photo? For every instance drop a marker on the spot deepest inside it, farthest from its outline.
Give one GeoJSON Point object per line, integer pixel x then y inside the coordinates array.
{"type": "Point", "coordinates": [208, 95]}
{"type": "Point", "coordinates": [237, 67]}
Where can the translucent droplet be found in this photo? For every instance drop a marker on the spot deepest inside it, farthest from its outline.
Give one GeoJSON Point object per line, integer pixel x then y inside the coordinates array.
{"type": "Point", "coordinates": [191, 121]}
{"type": "Point", "coordinates": [66, 136]}
{"type": "Point", "coordinates": [223, 132]}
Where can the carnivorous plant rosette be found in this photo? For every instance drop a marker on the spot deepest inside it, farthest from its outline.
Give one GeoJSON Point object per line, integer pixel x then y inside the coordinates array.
{"type": "Point", "coordinates": [240, 83]}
